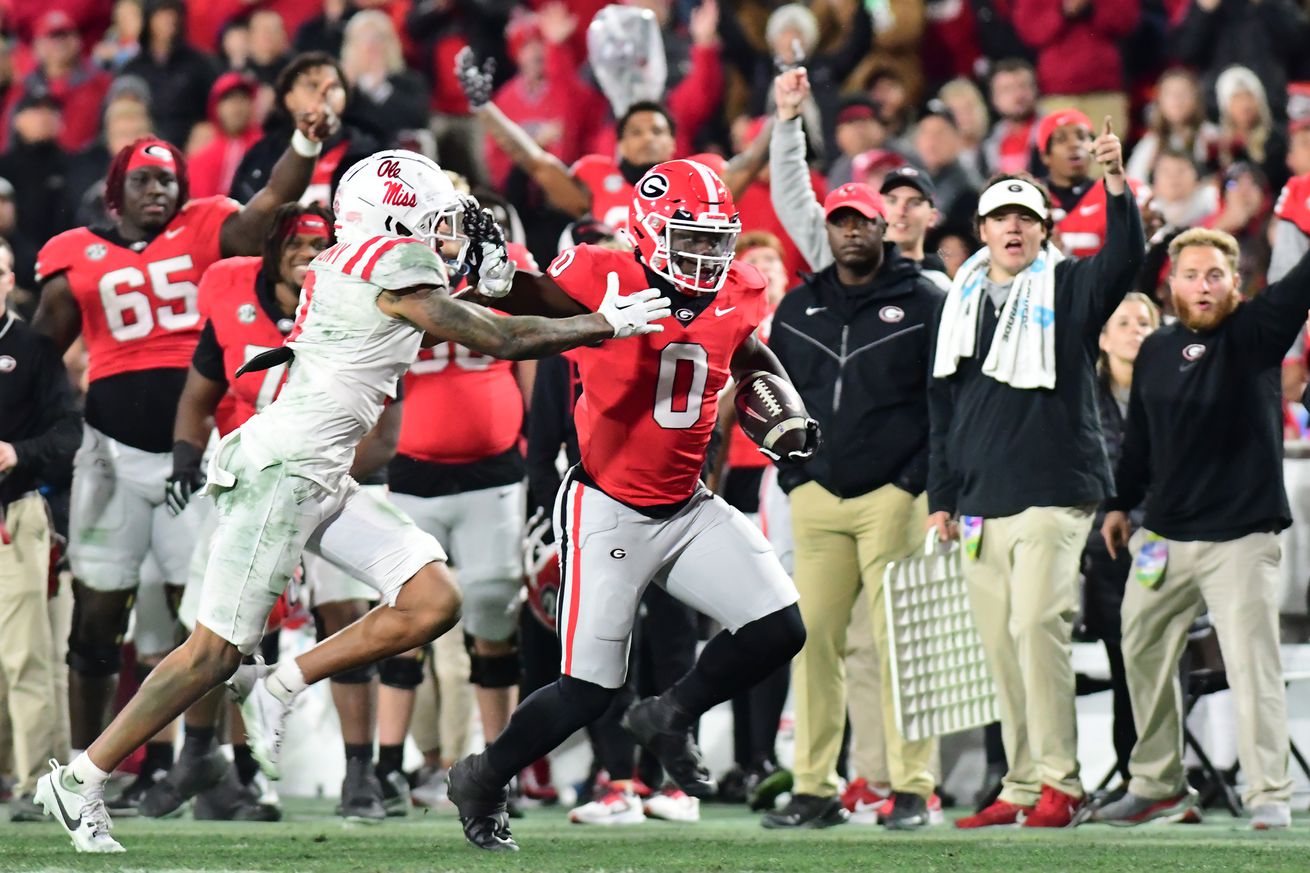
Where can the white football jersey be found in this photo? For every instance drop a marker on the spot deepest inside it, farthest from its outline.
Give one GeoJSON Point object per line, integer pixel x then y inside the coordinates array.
{"type": "Point", "coordinates": [350, 356]}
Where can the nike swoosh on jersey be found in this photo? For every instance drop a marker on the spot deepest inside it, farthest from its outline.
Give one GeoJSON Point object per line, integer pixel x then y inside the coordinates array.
{"type": "Point", "coordinates": [71, 823]}
{"type": "Point", "coordinates": [718, 311]}
{"type": "Point", "coordinates": [811, 310]}
{"type": "Point", "coordinates": [1088, 210]}
{"type": "Point", "coordinates": [171, 234]}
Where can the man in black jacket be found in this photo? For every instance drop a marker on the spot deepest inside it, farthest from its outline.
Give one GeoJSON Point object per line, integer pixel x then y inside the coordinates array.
{"type": "Point", "coordinates": [1017, 453]}
{"type": "Point", "coordinates": [855, 341]}
{"type": "Point", "coordinates": [39, 432]}
{"type": "Point", "coordinates": [1204, 446]}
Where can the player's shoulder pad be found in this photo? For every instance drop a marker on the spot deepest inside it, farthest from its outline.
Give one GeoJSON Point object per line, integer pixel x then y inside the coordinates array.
{"type": "Point", "coordinates": [227, 276]}
{"type": "Point", "coordinates": [202, 206]}
{"type": "Point", "coordinates": [1294, 202]}
{"type": "Point", "coordinates": [747, 278]}
{"type": "Point", "coordinates": [592, 164]}
{"type": "Point", "coordinates": [393, 263]}
{"type": "Point", "coordinates": [62, 250]}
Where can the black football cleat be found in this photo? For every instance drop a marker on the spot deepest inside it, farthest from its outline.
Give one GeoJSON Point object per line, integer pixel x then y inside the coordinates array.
{"type": "Point", "coordinates": [482, 809]}
{"type": "Point", "coordinates": [650, 723]}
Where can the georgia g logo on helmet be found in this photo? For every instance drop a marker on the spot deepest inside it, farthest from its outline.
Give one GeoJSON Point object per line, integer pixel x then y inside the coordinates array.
{"type": "Point", "coordinates": [685, 225]}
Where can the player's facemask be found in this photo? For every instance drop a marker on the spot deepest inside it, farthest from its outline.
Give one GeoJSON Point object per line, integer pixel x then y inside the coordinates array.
{"type": "Point", "coordinates": [443, 231]}
{"type": "Point", "coordinates": [695, 255]}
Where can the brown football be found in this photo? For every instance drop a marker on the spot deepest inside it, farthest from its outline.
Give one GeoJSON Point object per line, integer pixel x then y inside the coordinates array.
{"type": "Point", "coordinates": [771, 413]}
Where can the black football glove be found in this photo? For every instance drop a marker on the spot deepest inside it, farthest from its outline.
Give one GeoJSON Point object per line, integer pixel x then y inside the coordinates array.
{"type": "Point", "coordinates": [474, 80]}
{"type": "Point", "coordinates": [186, 479]}
{"type": "Point", "coordinates": [803, 454]}
{"type": "Point", "coordinates": [487, 254]}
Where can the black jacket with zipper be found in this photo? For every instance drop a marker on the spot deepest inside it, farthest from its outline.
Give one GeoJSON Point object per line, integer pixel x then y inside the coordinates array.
{"type": "Point", "coordinates": [859, 358]}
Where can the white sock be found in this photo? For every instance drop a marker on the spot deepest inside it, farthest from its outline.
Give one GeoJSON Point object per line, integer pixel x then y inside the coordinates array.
{"type": "Point", "coordinates": [286, 681]}
{"type": "Point", "coordinates": [84, 777]}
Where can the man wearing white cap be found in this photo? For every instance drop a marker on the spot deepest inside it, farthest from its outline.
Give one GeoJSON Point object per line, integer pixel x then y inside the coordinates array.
{"type": "Point", "coordinates": [1017, 456]}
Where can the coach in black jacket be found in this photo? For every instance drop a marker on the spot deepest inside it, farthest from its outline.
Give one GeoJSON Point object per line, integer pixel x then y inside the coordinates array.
{"type": "Point", "coordinates": [855, 342]}
{"type": "Point", "coordinates": [1016, 448]}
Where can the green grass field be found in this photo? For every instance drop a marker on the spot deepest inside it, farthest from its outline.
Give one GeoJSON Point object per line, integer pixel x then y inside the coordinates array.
{"type": "Point", "coordinates": [728, 839]}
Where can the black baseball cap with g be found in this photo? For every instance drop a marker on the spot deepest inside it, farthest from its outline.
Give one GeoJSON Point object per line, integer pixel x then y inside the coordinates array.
{"type": "Point", "coordinates": [909, 177]}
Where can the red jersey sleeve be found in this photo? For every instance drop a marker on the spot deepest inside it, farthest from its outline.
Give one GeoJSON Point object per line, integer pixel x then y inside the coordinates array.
{"type": "Point", "coordinates": [581, 273]}
{"type": "Point", "coordinates": [57, 255]}
{"type": "Point", "coordinates": [203, 217]}
{"type": "Point", "coordinates": [1293, 203]}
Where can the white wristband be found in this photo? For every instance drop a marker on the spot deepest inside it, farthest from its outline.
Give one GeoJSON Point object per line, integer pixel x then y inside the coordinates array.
{"type": "Point", "coordinates": [304, 146]}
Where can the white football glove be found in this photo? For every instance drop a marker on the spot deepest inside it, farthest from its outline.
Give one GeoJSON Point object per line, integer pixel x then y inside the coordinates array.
{"type": "Point", "coordinates": [632, 315]}
{"type": "Point", "coordinates": [495, 270]}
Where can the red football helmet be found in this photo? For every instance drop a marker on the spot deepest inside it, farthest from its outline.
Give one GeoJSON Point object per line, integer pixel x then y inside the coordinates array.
{"type": "Point", "coordinates": [685, 225]}
{"type": "Point", "coordinates": [541, 571]}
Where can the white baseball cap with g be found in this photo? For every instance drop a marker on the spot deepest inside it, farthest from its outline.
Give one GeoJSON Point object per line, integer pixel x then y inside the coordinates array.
{"type": "Point", "coordinates": [1012, 192]}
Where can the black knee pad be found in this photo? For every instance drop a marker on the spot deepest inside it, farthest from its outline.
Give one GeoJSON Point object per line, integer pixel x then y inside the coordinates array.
{"type": "Point", "coordinates": [405, 674]}
{"type": "Point", "coordinates": [357, 676]}
{"type": "Point", "coordinates": [495, 671]}
{"type": "Point", "coordinates": [94, 660]}
{"type": "Point", "coordinates": [585, 698]}
{"type": "Point", "coordinates": [780, 633]}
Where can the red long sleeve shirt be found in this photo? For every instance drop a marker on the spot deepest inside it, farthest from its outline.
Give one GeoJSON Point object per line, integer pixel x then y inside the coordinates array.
{"type": "Point", "coordinates": [1076, 55]}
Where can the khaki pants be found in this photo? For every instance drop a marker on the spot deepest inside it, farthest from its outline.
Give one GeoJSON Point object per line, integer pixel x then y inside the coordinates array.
{"type": "Point", "coordinates": [1023, 589]}
{"type": "Point", "coordinates": [1238, 582]}
{"type": "Point", "coordinates": [868, 756]}
{"type": "Point", "coordinates": [32, 673]}
{"type": "Point", "coordinates": [841, 546]}
{"type": "Point", "coordinates": [443, 706]}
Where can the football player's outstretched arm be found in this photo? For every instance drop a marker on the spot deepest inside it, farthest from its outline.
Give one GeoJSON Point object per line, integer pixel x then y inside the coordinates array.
{"type": "Point", "coordinates": [57, 315]}
{"type": "Point", "coordinates": [518, 337]}
{"type": "Point", "coordinates": [564, 192]}
{"type": "Point", "coordinates": [531, 294]}
{"type": "Point", "coordinates": [243, 232]}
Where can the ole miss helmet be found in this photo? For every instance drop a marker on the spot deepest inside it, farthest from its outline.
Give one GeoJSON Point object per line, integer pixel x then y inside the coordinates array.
{"type": "Point", "coordinates": [402, 193]}
{"type": "Point", "coordinates": [685, 225]}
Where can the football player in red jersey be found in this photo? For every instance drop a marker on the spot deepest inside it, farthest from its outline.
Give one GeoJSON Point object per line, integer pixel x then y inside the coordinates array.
{"type": "Point", "coordinates": [634, 510]}
{"type": "Point", "coordinates": [130, 291]}
{"type": "Point", "coordinates": [1064, 140]}
{"type": "Point", "coordinates": [1291, 241]}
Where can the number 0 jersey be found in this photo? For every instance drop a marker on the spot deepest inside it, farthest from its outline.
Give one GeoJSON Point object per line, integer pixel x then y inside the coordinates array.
{"type": "Point", "coordinates": [138, 301]}
{"type": "Point", "coordinates": [349, 356]}
{"type": "Point", "coordinates": [649, 403]}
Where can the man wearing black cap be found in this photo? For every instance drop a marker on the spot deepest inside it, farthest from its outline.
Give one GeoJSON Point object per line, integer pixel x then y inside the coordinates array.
{"type": "Point", "coordinates": [855, 341]}
{"type": "Point", "coordinates": [910, 198]}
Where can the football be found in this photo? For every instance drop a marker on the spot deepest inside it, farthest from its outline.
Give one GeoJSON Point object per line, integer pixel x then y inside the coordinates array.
{"type": "Point", "coordinates": [771, 413]}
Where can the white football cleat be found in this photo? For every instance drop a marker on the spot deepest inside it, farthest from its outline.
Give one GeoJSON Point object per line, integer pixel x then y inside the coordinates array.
{"type": "Point", "coordinates": [264, 714]}
{"type": "Point", "coordinates": [85, 819]}
{"type": "Point", "coordinates": [673, 804]}
{"type": "Point", "coordinates": [618, 807]}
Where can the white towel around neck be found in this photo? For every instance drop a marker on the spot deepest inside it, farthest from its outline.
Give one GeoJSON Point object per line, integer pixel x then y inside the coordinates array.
{"type": "Point", "coordinates": [1023, 348]}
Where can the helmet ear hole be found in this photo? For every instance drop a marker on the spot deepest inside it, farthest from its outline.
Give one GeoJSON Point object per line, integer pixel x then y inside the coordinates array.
{"type": "Point", "coordinates": [402, 230]}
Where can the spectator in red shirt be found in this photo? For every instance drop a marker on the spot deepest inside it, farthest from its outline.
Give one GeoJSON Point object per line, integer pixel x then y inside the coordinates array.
{"type": "Point", "coordinates": [78, 86]}
{"type": "Point", "coordinates": [547, 98]}
{"type": "Point", "coordinates": [1078, 60]}
{"type": "Point", "coordinates": [232, 113]}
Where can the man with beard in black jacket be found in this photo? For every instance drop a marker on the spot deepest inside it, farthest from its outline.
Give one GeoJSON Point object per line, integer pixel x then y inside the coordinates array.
{"type": "Point", "coordinates": [855, 341]}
